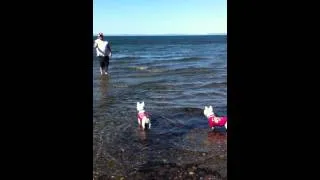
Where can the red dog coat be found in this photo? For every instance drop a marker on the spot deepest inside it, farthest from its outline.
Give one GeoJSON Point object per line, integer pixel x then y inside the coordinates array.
{"type": "Point", "coordinates": [220, 123]}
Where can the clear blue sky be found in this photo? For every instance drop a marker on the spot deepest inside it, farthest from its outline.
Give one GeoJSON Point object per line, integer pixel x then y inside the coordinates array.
{"type": "Point", "coordinates": [116, 17]}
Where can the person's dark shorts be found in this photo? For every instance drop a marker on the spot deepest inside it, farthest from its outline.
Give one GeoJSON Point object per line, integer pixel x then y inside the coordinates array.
{"type": "Point", "coordinates": [104, 61]}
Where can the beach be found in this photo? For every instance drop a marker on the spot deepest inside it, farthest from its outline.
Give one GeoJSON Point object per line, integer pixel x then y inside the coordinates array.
{"type": "Point", "coordinates": [176, 76]}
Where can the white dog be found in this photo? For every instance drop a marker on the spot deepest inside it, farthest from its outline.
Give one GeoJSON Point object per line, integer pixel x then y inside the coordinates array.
{"type": "Point", "coordinates": [143, 117]}
{"type": "Point", "coordinates": [213, 120]}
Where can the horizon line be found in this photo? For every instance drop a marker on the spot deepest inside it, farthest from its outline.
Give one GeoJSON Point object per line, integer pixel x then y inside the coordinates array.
{"type": "Point", "coordinates": [95, 34]}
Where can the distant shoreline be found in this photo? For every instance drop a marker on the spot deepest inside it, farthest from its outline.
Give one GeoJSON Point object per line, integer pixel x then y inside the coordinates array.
{"type": "Point", "coordinates": [163, 35]}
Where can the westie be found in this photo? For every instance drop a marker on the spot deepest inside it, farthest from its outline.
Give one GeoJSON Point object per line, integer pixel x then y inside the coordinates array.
{"type": "Point", "coordinates": [213, 120]}
{"type": "Point", "coordinates": [143, 117]}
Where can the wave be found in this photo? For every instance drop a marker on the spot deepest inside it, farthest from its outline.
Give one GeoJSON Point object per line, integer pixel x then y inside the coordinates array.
{"type": "Point", "coordinates": [168, 72]}
{"type": "Point", "coordinates": [191, 58]}
{"type": "Point", "coordinates": [154, 85]}
{"type": "Point", "coordinates": [215, 85]}
{"type": "Point", "coordinates": [120, 57]}
{"type": "Point", "coordinates": [178, 59]}
{"type": "Point", "coordinates": [174, 57]}
{"type": "Point", "coordinates": [188, 71]}
{"type": "Point", "coordinates": [190, 111]}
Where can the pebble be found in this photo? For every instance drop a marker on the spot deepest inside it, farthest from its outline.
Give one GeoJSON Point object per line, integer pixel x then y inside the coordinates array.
{"type": "Point", "coordinates": [191, 173]}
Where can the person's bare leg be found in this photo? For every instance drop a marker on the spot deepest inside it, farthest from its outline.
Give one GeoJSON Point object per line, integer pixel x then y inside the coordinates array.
{"type": "Point", "coordinates": [106, 67]}
{"type": "Point", "coordinates": [105, 70]}
{"type": "Point", "coordinates": [101, 71]}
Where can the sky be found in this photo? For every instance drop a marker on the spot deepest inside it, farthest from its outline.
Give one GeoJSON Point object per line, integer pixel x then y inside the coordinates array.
{"type": "Point", "coordinates": [157, 17]}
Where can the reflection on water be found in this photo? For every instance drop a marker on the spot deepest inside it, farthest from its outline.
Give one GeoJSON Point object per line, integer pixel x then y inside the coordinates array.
{"type": "Point", "coordinates": [217, 137]}
{"type": "Point", "coordinates": [142, 134]}
{"type": "Point", "coordinates": [104, 80]}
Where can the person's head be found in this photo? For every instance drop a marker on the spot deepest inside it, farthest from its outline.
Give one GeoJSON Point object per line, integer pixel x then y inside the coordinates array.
{"type": "Point", "coordinates": [100, 36]}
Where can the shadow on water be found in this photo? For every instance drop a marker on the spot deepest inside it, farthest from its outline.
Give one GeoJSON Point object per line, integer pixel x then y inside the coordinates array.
{"type": "Point", "coordinates": [217, 137]}
{"type": "Point", "coordinates": [142, 135]}
{"type": "Point", "coordinates": [100, 91]}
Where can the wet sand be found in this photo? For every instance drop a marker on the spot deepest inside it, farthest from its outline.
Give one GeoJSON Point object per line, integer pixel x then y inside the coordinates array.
{"type": "Point", "coordinates": [184, 164]}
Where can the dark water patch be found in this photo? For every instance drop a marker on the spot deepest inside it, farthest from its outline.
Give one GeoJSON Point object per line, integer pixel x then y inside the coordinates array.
{"type": "Point", "coordinates": [188, 71]}
{"type": "Point", "coordinates": [150, 86]}
{"type": "Point", "coordinates": [160, 170]}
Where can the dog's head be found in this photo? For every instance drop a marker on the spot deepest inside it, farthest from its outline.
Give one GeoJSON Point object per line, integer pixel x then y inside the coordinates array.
{"type": "Point", "coordinates": [208, 111]}
{"type": "Point", "coordinates": [140, 106]}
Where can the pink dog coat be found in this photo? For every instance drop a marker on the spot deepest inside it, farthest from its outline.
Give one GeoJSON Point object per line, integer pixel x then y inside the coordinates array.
{"type": "Point", "coordinates": [141, 116]}
{"type": "Point", "coordinates": [220, 123]}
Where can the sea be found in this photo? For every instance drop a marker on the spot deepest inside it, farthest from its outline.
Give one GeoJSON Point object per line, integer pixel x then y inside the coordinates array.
{"type": "Point", "coordinates": [175, 76]}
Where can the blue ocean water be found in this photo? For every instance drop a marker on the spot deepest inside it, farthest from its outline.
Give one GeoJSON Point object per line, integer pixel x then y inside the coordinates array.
{"type": "Point", "coordinates": [176, 76]}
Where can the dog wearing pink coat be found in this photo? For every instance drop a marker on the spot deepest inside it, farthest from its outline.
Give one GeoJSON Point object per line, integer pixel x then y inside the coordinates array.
{"type": "Point", "coordinates": [143, 117]}
{"type": "Point", "coordinates": [213, 120]}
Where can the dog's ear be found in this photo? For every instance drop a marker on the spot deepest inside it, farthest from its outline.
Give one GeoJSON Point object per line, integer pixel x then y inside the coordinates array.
{"type": "Point", "coordinates": [137, 104]}
{"type": "Point", "coordinates": [142, 103]}
{"type": "Point", "coordinates": [210, 108]}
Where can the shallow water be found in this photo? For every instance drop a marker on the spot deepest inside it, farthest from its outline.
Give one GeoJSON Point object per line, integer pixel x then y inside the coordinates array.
{"type": "Point", "coordinates": [175, 77]}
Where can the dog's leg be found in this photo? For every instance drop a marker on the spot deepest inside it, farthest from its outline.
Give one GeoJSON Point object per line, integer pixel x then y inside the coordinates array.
{"type": "Point", "coordinates": [143, 123]}
{"type": "Point", "coordinates": [212, 128]}
{"type": "Point", "coordinates": [226, 125]}
{"type": "Point", "coordinates": [148, 122]}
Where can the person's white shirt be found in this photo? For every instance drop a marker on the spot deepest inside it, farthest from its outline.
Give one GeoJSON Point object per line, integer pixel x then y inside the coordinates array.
{"type": "Point", "coordinates": [102, 48]}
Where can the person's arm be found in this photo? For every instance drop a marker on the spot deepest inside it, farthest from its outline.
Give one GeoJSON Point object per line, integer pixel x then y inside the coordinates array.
{"type": "Point", "coordinates": [109, 48]}
{"type": "Point", "coordinates": [95, 45]}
